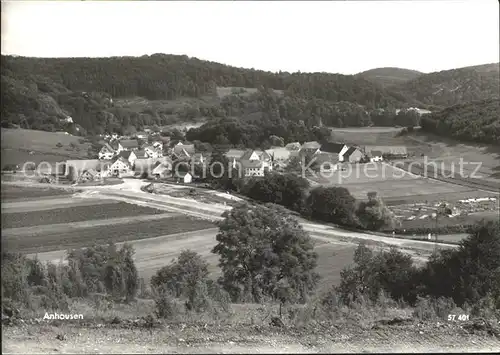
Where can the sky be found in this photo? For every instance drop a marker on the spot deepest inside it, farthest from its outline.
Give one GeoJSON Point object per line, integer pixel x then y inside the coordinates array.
{"type": "Point", "coordinates": [326, 36]}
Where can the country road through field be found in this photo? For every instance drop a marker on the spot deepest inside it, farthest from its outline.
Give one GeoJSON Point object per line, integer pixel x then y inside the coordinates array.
{"type": "Point", "coordinates": [130, 191]}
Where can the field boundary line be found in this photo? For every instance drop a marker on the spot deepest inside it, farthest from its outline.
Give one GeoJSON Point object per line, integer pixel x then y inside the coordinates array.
{"type": "Point", "coordinates": [70, 226]}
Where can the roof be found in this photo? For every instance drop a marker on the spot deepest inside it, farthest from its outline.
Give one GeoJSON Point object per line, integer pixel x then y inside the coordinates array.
{"type": "Point", "coordinates": [108, 146]}
{"type": "Point", "coordinates": [263, 156]}
{"type": "Point", "coordinates": [331, 147]}
{"type": "Point", "coordinates": [311, 145]}
{"type": "Point", "coordinates": [234, 153]}
{"type": "Point", "coordinates": [391, 149]}
{"type": "Point", "coordinates": [159, 167]}
{"type": "Point", "coordinates": [130, 143]}
{"type": "Point", "coordinates": [279, 153]}
{"type": "Point", "coordinates": [376, 153]}
{"type": "Point", "coordinates": [122, 159]}
{"type": "Point", "coordinates": [141, 153]}
{"type": "Point", "coordinates": [92, 172]}
{"type": "Point", "coordinates": [114, 144]}
{"type": "Point", "coordinates": [349, 151]}
{"type": "Point", "coordinates": [125, 154]}
{"type": "Point", "coordinates": [187, 148]}
{"type": "Point", "coordinates": [325, 157]}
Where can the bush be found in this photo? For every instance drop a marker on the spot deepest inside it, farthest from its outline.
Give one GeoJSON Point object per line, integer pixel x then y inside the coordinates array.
{"type": "Point", "coordinates": [165, 306]}
{"type": "Point", "coordinates": [184, 278]}
{"type": "Point", "coordinates": [59, 145]}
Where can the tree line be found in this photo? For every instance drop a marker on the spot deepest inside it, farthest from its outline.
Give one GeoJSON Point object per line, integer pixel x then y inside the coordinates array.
{"type": "Point", "coordinates": [475, 122]}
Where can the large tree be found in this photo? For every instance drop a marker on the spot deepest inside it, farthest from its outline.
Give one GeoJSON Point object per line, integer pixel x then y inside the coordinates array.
{"type": "Point", "coordinates": [264, 252]}
{"type": "Point", "coordinates": [332, 204]}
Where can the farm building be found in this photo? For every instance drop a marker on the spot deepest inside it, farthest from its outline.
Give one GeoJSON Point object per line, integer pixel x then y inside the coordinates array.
{"type": "Point", "coordinates": [107, 152]}
{"type": "Point", "coordinates": [353, 155]}
{"type": "Point", "coordinates": [325, 162]}
{"type": "Point", "coordinates": [129, 144]}
{"type": "Point", "coordinates": [389, 152]}
{"type": "Point", "coordinates": [255, 162]}
{"type": "Point", "coordinates": [90, 175]}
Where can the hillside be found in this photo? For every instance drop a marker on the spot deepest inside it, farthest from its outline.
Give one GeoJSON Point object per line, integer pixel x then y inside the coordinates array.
{"type": "Point", "coordinates": [477, 121]}
{"type": "Point", "coordinates": [40, 92]}
{"type": "Point", "coordinates": [388, 76]}
{"type": "Point", "coordinates": [451, 87]}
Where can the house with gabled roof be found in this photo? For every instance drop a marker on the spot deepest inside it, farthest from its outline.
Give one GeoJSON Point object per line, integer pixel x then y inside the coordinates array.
{"type": "Point", "coordinates": [152, 152]}
{"type": "Point", "coordinates": [334, 148]}
{"type": "Point", "coordinates": [120, 166]}
{"type": "Point", "coordinates": [90, 175]}
{"type": "Point", "coordinates": [183, 151]}
{"type": "Point", "coordinates": [325, 162]}
{"type": "Point", "coordinates": [129, 155]}
{"type": "Point", "coordinates": [375, 156]}
{"type": "Point", "coordinates": [255, 163]}
{"type": "Point", "coordinates": [161, 170]}
{"type": "Point", "coordinates": [352, 155]}
{"type": "Point", "coordinates": [107, 152]}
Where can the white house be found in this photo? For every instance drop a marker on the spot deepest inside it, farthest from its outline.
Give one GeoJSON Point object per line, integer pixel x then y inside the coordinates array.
{"type": "Point", "coordinates": [376, 156]}
{"type": "Point", "coordinates": [152, 152]}
{"type": "Point", "coordinates": [120, 167]}
{"type": "Point", "coordinates": [255, 163]}
{"type": "Point", "coordinates": [107, 152]}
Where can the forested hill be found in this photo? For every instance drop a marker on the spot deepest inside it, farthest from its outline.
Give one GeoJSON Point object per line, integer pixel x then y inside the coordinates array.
{"type": "Point", "coordinates": [452, 87]}
{"type": "Point", "coordinates": [389, 76]}
{"type": "Point", "coordinates": [163, 76]}
{"type": "Point", "coordinates": [474, 121]}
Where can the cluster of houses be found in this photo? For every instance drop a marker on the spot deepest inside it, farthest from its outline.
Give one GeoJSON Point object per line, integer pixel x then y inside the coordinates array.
{"type": "Point", "coordinates": [327, 157]}
{"type": "Point", "coordinates": [130, 157]}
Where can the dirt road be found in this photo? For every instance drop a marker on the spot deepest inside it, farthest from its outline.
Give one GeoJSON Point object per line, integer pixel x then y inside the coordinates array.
{"type": "Point", "coordinates": [241, 339]}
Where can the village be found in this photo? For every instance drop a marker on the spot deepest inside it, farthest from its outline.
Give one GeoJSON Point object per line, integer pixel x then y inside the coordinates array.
{"type": "Point", "coordinates": [146, 156]}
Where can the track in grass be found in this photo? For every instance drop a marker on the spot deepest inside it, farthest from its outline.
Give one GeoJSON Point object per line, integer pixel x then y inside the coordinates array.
{"type": "Point", "coordinates": [74, 214]}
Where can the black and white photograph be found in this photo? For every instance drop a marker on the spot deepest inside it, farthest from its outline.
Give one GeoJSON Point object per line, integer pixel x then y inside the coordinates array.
{"type": "Point", "coordinates": [250, 176]}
